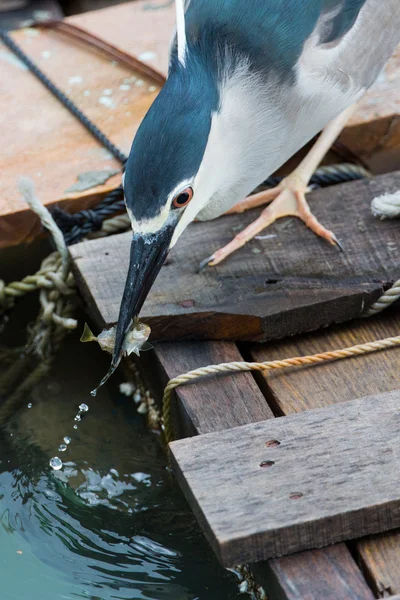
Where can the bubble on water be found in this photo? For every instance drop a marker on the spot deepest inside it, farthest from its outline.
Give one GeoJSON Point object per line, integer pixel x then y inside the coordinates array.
{"type": "Point", "coordinates": [56, 463]}
{"type": "Point", "coordinates": [67, 439]}
{"type": "Point", "coordinates": [75, 426]}
{"type": "Point", "coordinates": [83, 407]}
{"type": "Point", "coordinates": [30, 405]}
{"type": "Point", "coordinates": [62, 447]}
{"type": "Point", "coordinates": [78, 418]}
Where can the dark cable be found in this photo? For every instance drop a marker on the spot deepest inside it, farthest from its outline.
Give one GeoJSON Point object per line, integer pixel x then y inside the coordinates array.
{"type": "Point", "coordinates": [71, 106]}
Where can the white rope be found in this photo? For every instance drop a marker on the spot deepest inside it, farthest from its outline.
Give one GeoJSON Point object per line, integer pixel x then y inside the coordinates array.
{"type": "Point", "coordinates": [27, 189]}
{"type": "Point", "coordinates": [386, 206]}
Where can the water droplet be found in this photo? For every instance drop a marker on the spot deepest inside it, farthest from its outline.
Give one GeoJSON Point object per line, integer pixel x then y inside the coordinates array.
{"type": "Point", "coordinates": [78, 418]}
{"type": "Point", "coordinates": [62, 447]}
{"type": "Point", "coordinates": [93, 393]}
{"type": "Point", "coordinates": [30, 405]}
{"type": "Point", "coordinates": [83, 407]}
{"type": "Point", "coordinates": [67, 439]}
{"type": "Point", "coordinates": [75, 426]}
{"type": "Point", "coordinates": [137, 397]}
{"type": "Point", "coordinates": [56, 463]}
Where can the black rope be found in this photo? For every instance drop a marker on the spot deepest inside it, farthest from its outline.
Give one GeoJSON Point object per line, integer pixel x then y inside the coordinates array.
{"type": "Point", "coordinates": [71, 106]}
{"type": "Point", "coordinates": [78, 225]}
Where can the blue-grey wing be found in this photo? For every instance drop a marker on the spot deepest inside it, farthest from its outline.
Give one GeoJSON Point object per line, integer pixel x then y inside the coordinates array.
{"type": "Point", "coordinates": [276, 34]}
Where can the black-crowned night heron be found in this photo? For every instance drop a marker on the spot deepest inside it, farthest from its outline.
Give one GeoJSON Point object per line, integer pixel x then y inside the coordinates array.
{"type": "Point", "coordinates": [250, 82]}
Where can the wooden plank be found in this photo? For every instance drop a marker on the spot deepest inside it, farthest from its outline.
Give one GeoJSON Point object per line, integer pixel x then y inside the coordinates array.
{"type": "Point", "coordinates": [307, 388]}
{"type": "Point", "coordinates": [328, 475]}
{"type": "Point", "coordinates": [275, 292]}
{"type": "Point", "coordinates": [214, 404]}
{"type": "Point", "coordinates": [94, 84]}
{"type": "Point", "coordinates": [295, 390]}
{"type": "Point", "coordinates": [203, 408]}
{"type": "Point", "coordinates": [325, 574]}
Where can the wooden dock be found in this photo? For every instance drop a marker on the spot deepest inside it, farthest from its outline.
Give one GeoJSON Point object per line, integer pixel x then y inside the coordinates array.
{"type": "Point", "coordinates": [268, 290]}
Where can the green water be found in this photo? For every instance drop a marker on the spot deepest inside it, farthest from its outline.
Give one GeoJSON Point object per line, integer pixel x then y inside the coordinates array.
{"type": "Point", "coordinates": [112, 524]}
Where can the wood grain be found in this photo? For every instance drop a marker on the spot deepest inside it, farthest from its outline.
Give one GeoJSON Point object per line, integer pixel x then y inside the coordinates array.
{"type": "Point", "coordinates": [333, 573]}
{"type": "Point", "coordinates": [306, 388]}
{"type": "Point", "coordinates": [332, 476]}
{"type": "Point", "coordinates": [293, 283]}
{"type": "Point", "coordinates": [42, 139]}
{"type": "Point", "coordinates": [216, 404]}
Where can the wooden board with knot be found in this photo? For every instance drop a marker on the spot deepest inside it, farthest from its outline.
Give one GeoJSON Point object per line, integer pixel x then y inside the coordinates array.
{"type": "Point", "coordinates": [289, 282]}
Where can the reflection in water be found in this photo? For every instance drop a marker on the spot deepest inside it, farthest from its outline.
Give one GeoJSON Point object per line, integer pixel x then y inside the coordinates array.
{"type": "Point", "coordinates": [111, 525]}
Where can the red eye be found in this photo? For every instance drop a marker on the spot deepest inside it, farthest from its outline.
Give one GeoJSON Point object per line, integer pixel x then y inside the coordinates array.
{"type": "Point", "coordinates": [183, 198]}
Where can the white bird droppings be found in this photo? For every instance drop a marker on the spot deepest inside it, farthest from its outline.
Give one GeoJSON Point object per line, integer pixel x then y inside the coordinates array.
{"type": "Point", "coordinates": [144, 56]}
{"type": "Point", "coordinates": [125, 87]}
{"type": "Point", "coordinates": [46, 54]}
{"type": "Point", "coordinates": [106, 101]}
{"type": "Point", "coordinates": [75, 79]}
{"type": "Point", "coordinates": [107, 92]}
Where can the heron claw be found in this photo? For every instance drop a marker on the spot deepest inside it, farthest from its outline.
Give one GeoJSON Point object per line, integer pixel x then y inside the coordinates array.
{"type": "Point", "coordinates": [338, 244]}
{"type": "Point", "coordinates": [205, 263]}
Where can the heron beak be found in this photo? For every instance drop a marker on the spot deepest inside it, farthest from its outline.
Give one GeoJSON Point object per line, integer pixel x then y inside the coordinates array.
{"type": "Point", "coordinates": [148, 252]}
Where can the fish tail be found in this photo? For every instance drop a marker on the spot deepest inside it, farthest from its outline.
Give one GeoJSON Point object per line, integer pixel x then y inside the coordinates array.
{"type": "Point", "coordinates": [87, 335]}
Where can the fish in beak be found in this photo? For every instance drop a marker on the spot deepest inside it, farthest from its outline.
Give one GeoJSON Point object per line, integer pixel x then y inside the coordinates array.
{"type": "Point", "coordinates": [147, 255]}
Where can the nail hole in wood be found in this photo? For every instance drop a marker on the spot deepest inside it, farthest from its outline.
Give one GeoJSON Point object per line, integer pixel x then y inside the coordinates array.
{"type": "Point", "coordinates": [296, 495]}
{"type": "Point", "coordinates": [272, 443]}
{"type": "Point", "coordinates": [266, 463]}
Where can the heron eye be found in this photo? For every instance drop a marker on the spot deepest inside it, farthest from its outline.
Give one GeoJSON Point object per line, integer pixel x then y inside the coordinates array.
{"type": "Point", "coordinates": [183, 198]}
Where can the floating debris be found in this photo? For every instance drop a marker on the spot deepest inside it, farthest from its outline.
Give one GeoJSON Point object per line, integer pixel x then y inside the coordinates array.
{"type": "Point", "coordinates": [56, 463]}
{"type": "Point", "coordinates": [127, 388]}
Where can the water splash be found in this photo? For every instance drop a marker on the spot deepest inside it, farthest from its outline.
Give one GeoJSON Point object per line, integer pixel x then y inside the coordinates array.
{"type": "Point", "coordinates": [56, 463]}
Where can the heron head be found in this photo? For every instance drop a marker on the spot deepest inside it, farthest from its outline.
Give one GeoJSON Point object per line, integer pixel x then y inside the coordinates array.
{"type": "Point", "coordinates": [161, 183]}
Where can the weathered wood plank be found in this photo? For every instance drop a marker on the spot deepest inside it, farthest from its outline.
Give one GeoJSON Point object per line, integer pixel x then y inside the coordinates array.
{"type": "Point", "coordinates": [329, 573]}
{"type": "Point", "coordinates": [297, 389]}
{"type": "Point", "coordinates": [307, 388]}
{"type": "Point", "coordinates": [302, 481]}
{"type": "Point", "coordinates": [294, 283]}
{"type": "Point", "coordinates": [212, 404]}
{"type": "Point", "coordinates": [66, 148]}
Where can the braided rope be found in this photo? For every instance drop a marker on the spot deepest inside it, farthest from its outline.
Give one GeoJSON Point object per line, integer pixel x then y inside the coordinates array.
{"type": "Point", "coordinates": [240, 367]}
{"type": "Point", "coordinates": [387, 298]}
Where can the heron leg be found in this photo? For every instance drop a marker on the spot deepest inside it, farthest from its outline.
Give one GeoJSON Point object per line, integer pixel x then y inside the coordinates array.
{"type": "Point", "coordinates": [288, 198]}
